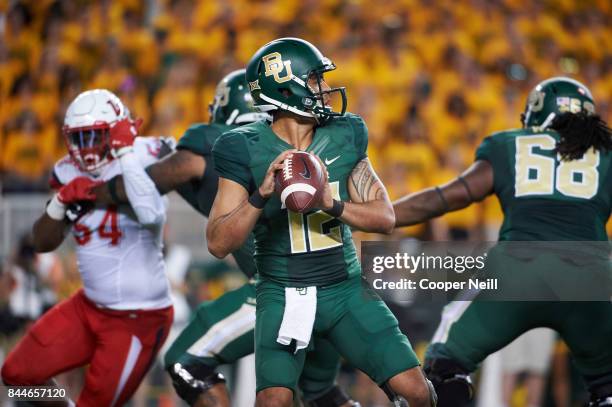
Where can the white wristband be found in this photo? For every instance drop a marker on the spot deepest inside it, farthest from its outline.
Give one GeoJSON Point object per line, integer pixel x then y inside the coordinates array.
{"type": "Point", "coordinates": [55, 209]}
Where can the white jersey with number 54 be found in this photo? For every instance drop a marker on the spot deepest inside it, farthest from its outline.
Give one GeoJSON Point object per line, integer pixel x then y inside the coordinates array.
{"type": "Point", "coordinates": [120, 260]}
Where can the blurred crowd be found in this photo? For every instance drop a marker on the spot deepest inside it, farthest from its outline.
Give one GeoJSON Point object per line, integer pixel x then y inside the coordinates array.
{"type": "Point", "coordinates": [430, 78]}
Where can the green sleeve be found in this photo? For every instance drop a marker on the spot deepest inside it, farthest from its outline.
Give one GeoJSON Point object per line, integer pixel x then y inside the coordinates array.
{"type": "Point", "coordinates": [361, 136]}
{"type": "Point", "coordinates": [485, 150]}
{"type": "Point", "coordinates": [195, 141]}
{"type": "Point", "coordinates": [232, 158]}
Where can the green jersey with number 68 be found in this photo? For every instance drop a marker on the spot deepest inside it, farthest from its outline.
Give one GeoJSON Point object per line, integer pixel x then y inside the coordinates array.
{"type": "Point", "coordinates": [291, 248]}
{"type": "Point", "coordinates": [543, 197]}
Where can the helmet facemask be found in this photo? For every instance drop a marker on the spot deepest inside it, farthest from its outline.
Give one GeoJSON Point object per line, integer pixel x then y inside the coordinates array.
{"type": "Point", "coordinates": [317, 101]}
{"type": "Point", "coordinates": [89, 146]}
{"type": "Point", "coordinates": [322, 100]}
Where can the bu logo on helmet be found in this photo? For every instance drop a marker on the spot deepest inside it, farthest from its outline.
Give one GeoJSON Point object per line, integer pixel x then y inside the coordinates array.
{"type": "Point", "coordinates": [274, 65]}
{"type": "Point", "coordinates": [222, 94]}
{"type": "Point", "coordinates": [536, 100]}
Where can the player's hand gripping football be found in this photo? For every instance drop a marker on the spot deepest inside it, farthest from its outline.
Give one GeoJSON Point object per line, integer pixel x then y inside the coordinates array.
{"type": "Point", "coordinates": [326, 199]}
{"type": "Point", "coordinates": [266, 189]}
{"type": "Point", "coordinates": [122, 135]}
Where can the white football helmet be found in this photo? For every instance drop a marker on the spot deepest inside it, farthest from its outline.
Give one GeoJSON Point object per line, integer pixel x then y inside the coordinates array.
{"type": "Point", "coordinates": [87, 127]}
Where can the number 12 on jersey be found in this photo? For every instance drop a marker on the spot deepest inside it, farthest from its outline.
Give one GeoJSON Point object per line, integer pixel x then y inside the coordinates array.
{"type": "Point", "coordinates": [536, 174]}
{"type": "Point", "coordinates": [318, 229]}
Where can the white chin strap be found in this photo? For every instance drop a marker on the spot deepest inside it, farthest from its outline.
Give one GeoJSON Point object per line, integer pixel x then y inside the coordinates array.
{"type": "Point", "coordinates": [284, 106]}
{"type": "Point", "coordinates": [279, 105]}
{"type": "Point", "coordinates": [546, 122]}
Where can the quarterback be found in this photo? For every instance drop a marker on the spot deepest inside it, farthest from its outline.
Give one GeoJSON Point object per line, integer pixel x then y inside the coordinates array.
{"type": "Point", "coordinates": [310, 278]}
{"type": "Point", "coordinates": [222, 331]}
{"type": "Point", "coordinates": [120, 319]}
{"type": "Point", "coordinates": [553, 179]}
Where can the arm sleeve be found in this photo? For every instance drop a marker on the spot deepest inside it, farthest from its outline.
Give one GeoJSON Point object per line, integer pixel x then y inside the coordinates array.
{"type": "Point", "coordinates": [485, 150]}
{"type": "Point", "coordinates": [142, 194]}
{"type": "Point", "coordinates": [360, 130]}
{"type": "Point", "coordinates": [231, 158]}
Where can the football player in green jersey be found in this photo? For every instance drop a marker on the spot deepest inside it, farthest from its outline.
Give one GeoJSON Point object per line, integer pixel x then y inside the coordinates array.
{"type": "Point", "coordinates": [310, 277]}
{"type": "Point", "coordinates": [553, 178]}
{"type": "Point", "coordinates": [222, 331]}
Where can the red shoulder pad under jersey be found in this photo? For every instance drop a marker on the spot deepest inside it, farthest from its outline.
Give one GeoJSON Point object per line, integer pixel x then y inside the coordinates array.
{"type": "Point", "coordinates": [64, 171]}
{"type": "Point", "coordinates": [152, 149]}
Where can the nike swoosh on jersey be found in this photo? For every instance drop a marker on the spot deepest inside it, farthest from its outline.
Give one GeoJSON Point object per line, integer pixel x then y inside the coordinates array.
{"type": "Point", "coordinates": [330, 162]}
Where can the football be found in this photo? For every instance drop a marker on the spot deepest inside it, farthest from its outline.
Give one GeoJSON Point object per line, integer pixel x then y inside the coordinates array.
{"type": "Point", "coordinates": [300, 181]}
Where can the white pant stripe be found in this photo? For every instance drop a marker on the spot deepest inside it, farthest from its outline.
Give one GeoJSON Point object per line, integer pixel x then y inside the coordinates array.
{"type": "Point", "coordinates": [128, 366]}
{"type": "Point", "coordinates": [225, 331]}
{"type": "Point", "coordinates": [451, 313]}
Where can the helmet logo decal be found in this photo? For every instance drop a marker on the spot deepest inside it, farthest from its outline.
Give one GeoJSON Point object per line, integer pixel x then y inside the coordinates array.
{"type": "Point", "coordinates": [222, 94]}
{"type": "Point", "coordinates": [275, 65]}
{"type": "Point", "coordinates": [536, 100]}
{"type": "Point", "coordinates": [567, 104]}
{"type": "Point", "coordinates": [254, 85]}
{"type": "Point", "coordinates": [116, 108]}
{"type": "Point", "coordinates": [574, 105]}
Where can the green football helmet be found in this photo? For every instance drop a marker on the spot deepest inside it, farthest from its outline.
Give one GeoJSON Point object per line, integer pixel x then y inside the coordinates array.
{"type": "Point", "coordinates": [555, 96]}
{"type": "Point", "coordinates": [233, 103]}
{"type": "Point", "coordinates": [278, 76]}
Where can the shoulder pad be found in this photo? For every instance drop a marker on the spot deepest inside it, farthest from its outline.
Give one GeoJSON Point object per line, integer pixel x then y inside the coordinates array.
{"type": "Point", "coordinates": [511, 132]}
{"type": "Point", "coordinates": [200, 137]}
{"type": "Point", "coordinates": [151, 149]}
{"type": "Point", "coordinates": [64, 171]}
{"type": "Point", "coordinates": [347, 117]}
{"type": "Point", "coordinates": [250, 133]}
{"type": "Point", "coordinates": [354, 130]}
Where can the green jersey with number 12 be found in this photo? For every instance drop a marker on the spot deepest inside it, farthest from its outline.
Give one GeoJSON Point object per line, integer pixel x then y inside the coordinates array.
{"type": "Point", "coordinates": [296, 249]}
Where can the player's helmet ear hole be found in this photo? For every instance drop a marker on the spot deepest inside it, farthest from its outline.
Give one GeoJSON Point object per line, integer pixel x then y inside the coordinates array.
{"type": "Point", "coordinates": [285, 92]}
{"type": "Point", "coordinates": [309, 102]}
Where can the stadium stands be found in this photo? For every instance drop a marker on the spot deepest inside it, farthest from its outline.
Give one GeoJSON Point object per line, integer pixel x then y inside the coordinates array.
{"type": "Point", "coordinates": [431, 78]}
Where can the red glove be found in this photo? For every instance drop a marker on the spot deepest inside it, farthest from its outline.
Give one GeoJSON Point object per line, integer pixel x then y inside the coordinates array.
{"type": "Point", "coordinates": [77, 190]}
{"type": "Point", "coordinates": [122, 134]}
{"type": "Point", "coordinates": [72, 199]}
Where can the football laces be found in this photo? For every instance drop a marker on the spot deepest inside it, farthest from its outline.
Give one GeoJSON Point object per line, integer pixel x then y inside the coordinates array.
{"type": "Point", "coordinates": [287, 169]}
